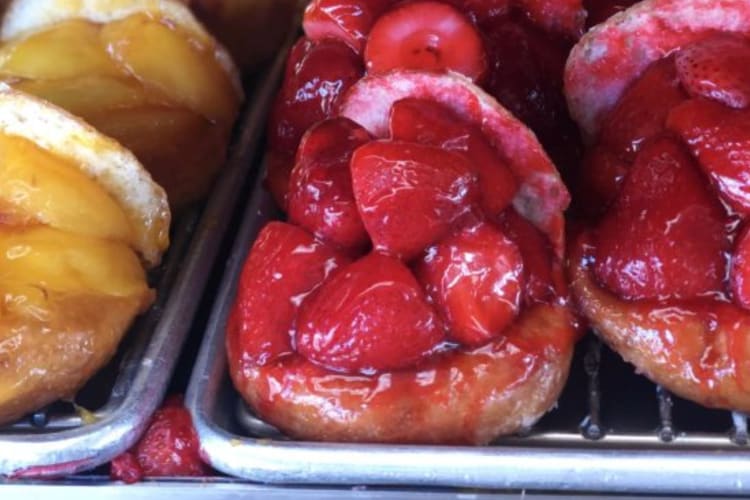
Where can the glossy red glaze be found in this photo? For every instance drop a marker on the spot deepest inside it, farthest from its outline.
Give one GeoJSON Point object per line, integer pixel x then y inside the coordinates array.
{"type": "Point", "coordinates": [347, 20]}
{"type": "Point", "coordinates": [371, 316]}
{"type": "Point", "coordinates": [541, 197]}
{"type": "Point", "coordinates": [285, 264]}
{"type": "Point", "coordinates": [642, 111]}
{"type": "Point", "coordinates": [321, 199]}
{"type": "Point", "coordinates": [544, 280]}
{"type": "Point", "coordinates": [428, 36]}
{"type": "Point", "coordinates": [428, 122]}
{"type": "Point", "coordinates": [739, 273]}
{"type": "Point", "coordinates": [475, 278]}
{"type": "Point", "coordinates": [456, 397]}
{"type": "Point", "coordinates": [717, 68]}
{"type": "Point", "coordinates": [599, 180]}
{"type": "Point", "coordinates": [719, 138]}
{"type": "Point", "coordinates": [318, 73]}
{"type": "Point", "coordinates": [410, 195]}
{"type": "Point", "coordinates": [169, 447]}
{"type": "Point", "coordinates": [665, 225]}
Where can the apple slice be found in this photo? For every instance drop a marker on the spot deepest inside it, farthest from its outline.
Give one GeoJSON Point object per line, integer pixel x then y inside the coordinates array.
{"type": "Point", "coordinates": [65, 50]}
{"type": "Point", "coordinates": [193, 77]}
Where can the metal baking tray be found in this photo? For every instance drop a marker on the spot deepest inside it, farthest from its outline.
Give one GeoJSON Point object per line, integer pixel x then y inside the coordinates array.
{"type": "Point", "coordinates": [612, 430]}
{"type": "Point", "coordinates": [65, 438]}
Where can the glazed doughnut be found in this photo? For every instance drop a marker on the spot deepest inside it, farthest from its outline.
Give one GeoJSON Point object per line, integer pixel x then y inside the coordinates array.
{"type": "Point", "coordinates": [329, 340]}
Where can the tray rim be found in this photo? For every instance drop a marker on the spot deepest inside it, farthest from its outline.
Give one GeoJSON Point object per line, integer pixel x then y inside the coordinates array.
{"type": "Point", "coordinates": [68, 451]}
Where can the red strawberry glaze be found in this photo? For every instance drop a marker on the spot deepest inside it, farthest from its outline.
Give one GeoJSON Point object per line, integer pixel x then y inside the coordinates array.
{"type": "Point", "coordinates": [661, 276]}
{"type": "Point", "coordinates": [370, 317]}
{"type": "Point", "coordinates": [349, 21]}
{"type": "Point", "coordinates": [541, 197]}
{"type": "Point", "coordinates": [476, 279]}
{"type": "Point", "coordinates": [430, 123]}
{"type": "Point", "coordinates": [321, 199]}
{"type": "Point", "coordinates": [317, 75]}
{"type": "Point", "coordinates": [410, 195]}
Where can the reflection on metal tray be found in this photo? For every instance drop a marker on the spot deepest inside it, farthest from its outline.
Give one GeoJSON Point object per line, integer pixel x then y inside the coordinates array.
{"type": "Point", "coordinates": [611, 431]}
{"type": "Point", "coordinates": [64, 438]}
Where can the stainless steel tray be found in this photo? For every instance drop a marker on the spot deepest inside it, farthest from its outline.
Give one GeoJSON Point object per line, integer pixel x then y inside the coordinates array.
{"type": "Point", "coordinates": [612, 430]}
{"type": "Point", "coordinates": [64, 439]}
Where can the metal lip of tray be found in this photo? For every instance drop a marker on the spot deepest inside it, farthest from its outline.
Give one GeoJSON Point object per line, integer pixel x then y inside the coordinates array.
{"type": "Point", "coordinates": [57, 443]}
{"type": "Point", "coordinates": [612, 431]}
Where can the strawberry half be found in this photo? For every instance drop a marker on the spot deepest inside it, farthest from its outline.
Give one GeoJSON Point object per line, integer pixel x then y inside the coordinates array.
{"type": "Point", "coordinates": [347, 20]}
{"type": "Point", "coordinates": [717, 68]}
{"type": "Point", "coordinates": [543, 282]}
{"type": "Point", "coordinates": [541, 197]}
{"type": "Point", "coordinates": [665, 235]}
{"type": "Point", "coordinates": [370, 316]}
{"type": "Point", "coordinates": [428, 122]}
{"type": "Point", "coordinates": [321, 199]}
{"type": "Point", "coordinates": [475, 278]}
{"type": "Point", "coordinates": [318, 73]}
{"type": "Point", "coordinates": [409, 195]}
{"type": "Point", "coordinates": [428, 36]}
{"type": "Point", "coordinates": [285, 264]}
{"type": "Point", "coordinates": [642, 110]}
{"type": "Point", "coordinates": [720, 138]}
{"type": "Point", "coordinates": [169, 447]}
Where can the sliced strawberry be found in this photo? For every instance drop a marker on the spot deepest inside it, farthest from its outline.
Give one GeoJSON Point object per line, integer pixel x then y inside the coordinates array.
{"type": "Point", "coordinates": [475, 278]}
{"type": "Point", "coordinates": [347, 20]}
{"type": "Point", "coordinates": [370, 316]}
{"type": "Point", "coordinates": [560, 16]}
{"type": "Point", "coordinates": [541, 197]}
{"type": "Point", "coordinates": [739, 273]}
{"type": "Point", "coordinates": [543, 281]}
{"type": "Point", "coordinates": [642, 111]}
{"type": "Point", "coordinates": [285, 264]}
{"type": "Point", "coordinates": [480, 10]}
{"type": "Point", "coordinates": [431, 123]}
{"type": "Point", "coordinates": [321, 199]}
{"type": "Point", "coordinates": [717, 68]}
{"type": "Point", "coordinates": [665, 236]}
{"type": "Point", "coordinates": [720, 138]}
{"type": "Point", "coordinates": [409, 195]}
{"type": "Point", "coordinates": [315, 80]}
{"type": "Point", "coordinates": [599, 180]}
{"type": "Point", "coordinates": [169, 447]}
{"type": "Point", "coordinates": [425, 35]}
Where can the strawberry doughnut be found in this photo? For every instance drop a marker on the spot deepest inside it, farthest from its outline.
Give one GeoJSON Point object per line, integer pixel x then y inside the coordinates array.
{"type": "Point", "coordinates": [412, 303]}
{"type": "Point", "coordinates": [661, 92]}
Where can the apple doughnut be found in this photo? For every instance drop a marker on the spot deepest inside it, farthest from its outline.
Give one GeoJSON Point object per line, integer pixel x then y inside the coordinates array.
{"type": "Point", "coordinates": [143, 72]}
{"type": "Point", "coordinates": [445, 320]}
{"type": "Point", "coordinates": [659, 270]}
{"type": "Point", "coordinates": [82, 221]}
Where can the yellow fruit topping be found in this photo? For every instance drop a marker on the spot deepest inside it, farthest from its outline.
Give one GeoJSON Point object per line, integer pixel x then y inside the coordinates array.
{"type": "Point", "coordinates": [158, 89]}
{"type": "Point", "coordinates": [37, 186]}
